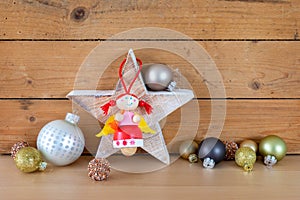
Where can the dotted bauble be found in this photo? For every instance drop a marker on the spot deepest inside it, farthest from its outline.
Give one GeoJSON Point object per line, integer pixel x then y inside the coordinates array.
{"type": "Point", "coordinates": [61, 142]}
{"type": "Point", "coordinates": [16, 147]}
{"type": "Point", "coordinates": [99, 169]}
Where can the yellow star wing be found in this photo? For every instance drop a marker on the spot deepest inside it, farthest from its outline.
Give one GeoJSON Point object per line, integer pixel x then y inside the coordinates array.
{"type": "Point", "coordinates": [109, 127]}
{"type": "Point", "coordinates": [144, 127]}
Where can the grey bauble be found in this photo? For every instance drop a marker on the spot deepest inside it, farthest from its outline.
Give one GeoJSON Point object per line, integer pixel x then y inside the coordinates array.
{"type": "Point", "coordinates": [157, 77]}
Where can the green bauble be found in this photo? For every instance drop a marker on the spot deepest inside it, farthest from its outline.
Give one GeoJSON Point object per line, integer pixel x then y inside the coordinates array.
{"type": "Point", "coordinates": [245, 157]}
{"type": "Point", "coordinates": [273, 145]}
{"type": "Point", "coordinates": [29, 159]}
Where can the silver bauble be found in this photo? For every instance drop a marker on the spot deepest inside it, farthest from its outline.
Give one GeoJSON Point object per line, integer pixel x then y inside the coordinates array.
{"type": "Point", "coordinates": [157, 76]}
{"type": "Point", "coordinates": [61, 142]}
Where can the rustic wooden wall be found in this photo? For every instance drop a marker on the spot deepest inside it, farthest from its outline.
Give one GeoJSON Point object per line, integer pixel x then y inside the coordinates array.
{"type": "Point", "coordinates": [254, 43]}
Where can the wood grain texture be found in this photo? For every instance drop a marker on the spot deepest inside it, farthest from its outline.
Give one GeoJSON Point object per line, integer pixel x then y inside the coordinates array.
{"type": "Point", "coordinates": [199, 19]}
{"type": "Point", "coordinates": [249, 69]}
{"type": "Point", "coordinates": [22, 120]}
{"type": "Point", "coordinates": [254, 44]}
{"type": "Point", "coordinates": [178, 181]}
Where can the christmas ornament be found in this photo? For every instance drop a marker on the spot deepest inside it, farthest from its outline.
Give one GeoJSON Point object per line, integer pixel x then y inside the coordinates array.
{"type": "Point", "coordinates": [273, 148]}
{"type": "Point", "coordinates": [29, 159]}
{"type": "Point", "coordinates": [129, 151]}
{"type": "Point", "coordinates": [61, 141]}
{"type": "Point", "coordinates": [231, 148]}
{"type": "Point", "coordinates": [211, 152]}
{"type": "Point", "coordinates": [251, 144]}
{"type": "Point", "coordinates": [187, 148]}
{"type": "Point", "coordinates": [245, 157]}
{"type": "Point", "coordinates": [16, 147]}
{"type": "Point", "coordinates": [193, 158]}
{"type": "Point", "coordinates": [157, 77]}
{"type": "Point", "coordinates": [162, 103]}
{"type": "Point", "coordinates": [127, 126]}
{"type": "Point", "coordinates": [99, 169]}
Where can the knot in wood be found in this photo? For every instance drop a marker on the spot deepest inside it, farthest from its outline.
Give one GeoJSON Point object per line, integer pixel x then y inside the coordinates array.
{"type": "Point", "coordinates": [79, 14]}
{"type": "Point", "coordinates": [29, 81]}
{"type": "Point", "coordinates": [32, 119]}
{"type": "Point", "coordinates": [255, 85]}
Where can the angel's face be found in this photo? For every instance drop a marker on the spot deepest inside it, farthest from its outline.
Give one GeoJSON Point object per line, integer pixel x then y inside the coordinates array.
{"type": "Point", "coordinates": [127, 102]}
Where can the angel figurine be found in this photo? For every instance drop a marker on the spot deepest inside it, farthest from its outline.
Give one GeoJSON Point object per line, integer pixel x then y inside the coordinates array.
{"type": "Point", "coordinates": [127, 125]}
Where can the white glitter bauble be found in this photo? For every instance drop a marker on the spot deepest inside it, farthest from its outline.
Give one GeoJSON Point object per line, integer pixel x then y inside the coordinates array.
{"type": "Point", "coordinates": [61, 142]}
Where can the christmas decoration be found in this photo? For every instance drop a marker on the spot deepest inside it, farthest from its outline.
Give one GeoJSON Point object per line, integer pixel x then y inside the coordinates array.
{"type": "Point", "coordinates": [29, 159]}
{"type": "Point", "coordinates": [157, 77]}
{"type": "Point", "coordinates": [61, 141]}
{"type": "Point", "coordinates": [211, 152]}
{"type": "Point", "coordinates": [231, 148]}
{"type": "Point", "coordinates": [249, 143]}
{"type": "Point", "coordinates": [127, 125]}
{"type": "Point", "coordinates": [193, 158]}
{"type": "Point", "coordinates": [16, 147]}
{"type": "Point", "coordinates": [273, 148]}
{"type": "Point", "coordinates": [162, 103]}
{"type": "Point", "coordinates": [99, 169]}
{"type": "Point", "coordinates": [245, 157]}
{"type": "Point", "coordinates": [187, 148]}
{"type": "Point", "coordinates": [129, 151]}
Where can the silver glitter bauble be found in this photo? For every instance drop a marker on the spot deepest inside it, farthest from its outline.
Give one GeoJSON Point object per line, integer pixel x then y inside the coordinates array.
{"type": "Point", "coordinates": [157, 76]}
{"type": "Point", "coordinates": [61, 142]}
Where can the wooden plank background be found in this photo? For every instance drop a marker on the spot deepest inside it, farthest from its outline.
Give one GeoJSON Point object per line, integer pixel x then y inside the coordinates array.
{"type": "Point", "coordinates": [199, 19]}
{"type": "Point", "coordinates": [254, 44]}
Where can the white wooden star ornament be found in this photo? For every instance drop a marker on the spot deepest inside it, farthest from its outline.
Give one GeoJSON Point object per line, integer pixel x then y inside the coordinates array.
{"type": "Point", "coordinates": [131, 85]}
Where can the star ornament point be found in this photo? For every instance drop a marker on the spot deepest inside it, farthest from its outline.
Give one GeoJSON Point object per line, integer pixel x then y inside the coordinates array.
{"type": "Point", "coordinates": [162, 102]}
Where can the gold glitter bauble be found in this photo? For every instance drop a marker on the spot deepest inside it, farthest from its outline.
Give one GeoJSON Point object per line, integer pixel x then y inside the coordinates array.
{"type": "Point", "coordinates": [29, 159]}
{"type": "Point", "coordinates": [245, 157]}
{"type": "Point", "coordinates": [193, 158]}
{"type": "Point", "coordinates": [129, 151]}
{"type": "Point", "coordinates": [187, 148]}
{"type": "Point", "coordinates": [251, 144]}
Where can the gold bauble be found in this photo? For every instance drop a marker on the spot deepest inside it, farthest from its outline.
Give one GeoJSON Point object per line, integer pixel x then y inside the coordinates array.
{"type": "Point", "coordinates": [245, 157]}
{"type": "Point", "coordinates": [193, 158]}
{"type": "Point", "coordinates": [129, 151]}
{"type": "Point", "coordinates": [29, 159]}
{"type": "Point", "coordinates": [187, 148]}
{"type": "Point", "coordinates": [274, 146]}
{"type": "Point", "coordinates": [249, 143]}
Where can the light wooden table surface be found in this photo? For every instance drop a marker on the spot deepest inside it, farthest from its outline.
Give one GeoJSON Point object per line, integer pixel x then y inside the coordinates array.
{"type": "Point", "coordinates": [181, 180]}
